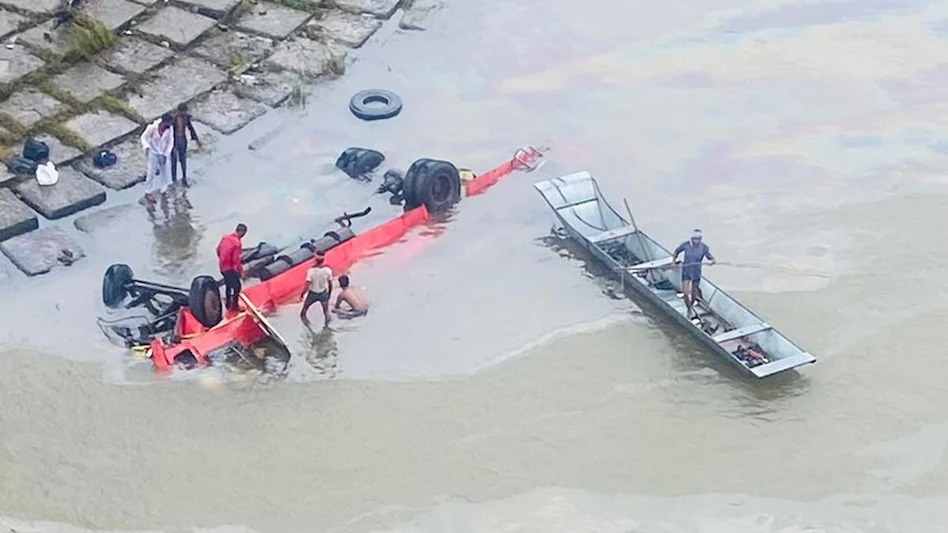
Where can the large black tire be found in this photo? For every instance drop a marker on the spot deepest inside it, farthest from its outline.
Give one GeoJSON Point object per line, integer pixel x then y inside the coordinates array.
{"type": "Point", "coordinates": [360, 104]}
{"type": "Point", "coordinates": [115, 284]}
{"type": "Point", "coordinates": [432, 183]}
{"type": "Point", "coordinates": [204, 300]}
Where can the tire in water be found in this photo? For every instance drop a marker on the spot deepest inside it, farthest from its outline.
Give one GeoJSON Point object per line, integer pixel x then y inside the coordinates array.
{"type": "Point", "coordinates": [204, 301]}
{"type": "Point", "coordinates": [360, 104]}
{"type": "Point", "coordinates": [432, 183]}
{"type": "Point", "coordinates": [114, 283]}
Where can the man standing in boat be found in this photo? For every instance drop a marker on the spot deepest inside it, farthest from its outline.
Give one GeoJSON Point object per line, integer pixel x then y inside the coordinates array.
{"type": "Point", "coordinates": [694, 251]}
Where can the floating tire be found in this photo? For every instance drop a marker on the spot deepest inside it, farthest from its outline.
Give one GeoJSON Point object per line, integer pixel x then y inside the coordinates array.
{"type": "Point", "coordinates": [115, 284]}
{"type": "Point", "coordinates": [432, 183]}
{"type": "Point", "coordinates": [204, 301]}
{"type": "Point", "coordinates": [358, 163]}
{"type": "Point", "coordinates": [361, 104]}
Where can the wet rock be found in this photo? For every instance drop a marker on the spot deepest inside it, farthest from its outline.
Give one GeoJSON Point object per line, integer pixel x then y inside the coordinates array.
{"type": "Point", "coordinates": [176, 26]}
{"type": "Point", "coordinates": [214, 8]}
{"type": "Point", "coordinates": [40, 251]}
{"type": "Point", "coordinates": [113, 13]}
{"type": "Point", "coordinates": [34, 6]}
{"type": "Point", "coordinates": [225, 112]}
{"type": "Point", "coordinates": [303, 56]}
{"type": "Point", "coordinates": [87, 81]}
{"type": "Point", "coordinates": [273, 20]}
{"type": "Point", "coordinates": [180, 81]}
{"type": "Point", "coordinates": [16, 63]}
{"type": "Point", "coordinates": [59, 153]}
{"type": "Point", "coordinates": [414, 17]}
{"type": "Point", "coordinates": [382, 9]}
{"type": "Point", "coordinates": [128, 170]}
{"type": "Point", "coordinates": [9, 22]}
{"type": "Point", "coordinates": [107, 218]}
{"type": "Point", "coordinates": [271, 88]}
{"type": "Point", "coordinates": [100, 127]}
{"type": "Point", "coordinates": [15, 217]}
{"type": "Point", "coordinates": [230, 49]}
{"type": "Point", "coordinates": [30, 106]}
{"type": "Point", "coordinates": [71, 194]}
{"type": "Point", "coordinates": [135, 55]}
{"type": "Point", "coordinates": [59, 38]}
{"type": "Point", "coordinates": [6, 177]}
{"type": "Point", "coordinates": [345, 28]}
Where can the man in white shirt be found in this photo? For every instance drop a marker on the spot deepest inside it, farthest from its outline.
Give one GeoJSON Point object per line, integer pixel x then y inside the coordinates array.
{"type": "Point", "coordinates": [318, 288]}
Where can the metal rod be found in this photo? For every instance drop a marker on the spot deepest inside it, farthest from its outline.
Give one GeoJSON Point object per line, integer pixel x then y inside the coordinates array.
{"type": "Point", "coordinates": [648, 256]}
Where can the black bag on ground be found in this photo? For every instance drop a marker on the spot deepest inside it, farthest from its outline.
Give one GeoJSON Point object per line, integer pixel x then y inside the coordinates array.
{"type": "Point", "coordinates": [104, 159]}
{"type": "Point", "coordinates": [22, 166]}
{"type": "Point", "coordinates": [35, 150]}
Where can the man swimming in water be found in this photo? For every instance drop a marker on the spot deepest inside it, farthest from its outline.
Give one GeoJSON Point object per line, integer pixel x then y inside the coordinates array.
{"type": "Point", "coordinates": [354, 297]}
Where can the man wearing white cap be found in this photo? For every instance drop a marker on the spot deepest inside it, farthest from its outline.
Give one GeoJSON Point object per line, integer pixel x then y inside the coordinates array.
{"type": "Point", "coordinates": [694, 253]}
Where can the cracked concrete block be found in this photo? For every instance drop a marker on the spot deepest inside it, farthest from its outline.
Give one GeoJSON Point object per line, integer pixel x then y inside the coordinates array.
{"type": "Point", "coordinates": [271, 88]}
{"type": "Point", "coordinates": [228, 49]}
{"type": "Point", "coordinates": [135, 55]}
{"type": "Point", "coordinates": [113, 13]}
{"type": "Point", "coordinates": [108, 218]}
{"type": "Point", "coordinates": [272, 20]}
{"type": "Point", "coordinates": [180, 81]}
{"type": "Point", "coordinates": [59, 153]}
{"type": "Point", "coordinates": [29, 106]}
{"type": "Point", "coordinates": [34, 6]}
{"type": "Point", "coordinates": [128, 170]}
{"type": "Point", "coordinates": [15, 217]}
{"type": "Point", "coordinates": [9, 22]}
{"type": "Point", "coordinates": [100, 127]}
{"type": "Point", "coordinates": [306, 57]}
{"type": "Point", "coordinates": [71, 194]}
{"type": "Point", "coordinates": [226, 112]}
{"type": "Point", "coordinates": [16, 63]}
{"type": "Point", "coordinates": [87, 81]}
{"type": "Point", "coordinates": [58, 42]}
{"type": "Point", "coordinates": [42, 250]}
{"type": "Point", "coordinates": [345, 28]}
{"type": "Point", "coordinates": [176, 26]}
{"type": "Point", "coordinates": [382, 9]}
{"type": "Point", "coordinates": [213, 8]}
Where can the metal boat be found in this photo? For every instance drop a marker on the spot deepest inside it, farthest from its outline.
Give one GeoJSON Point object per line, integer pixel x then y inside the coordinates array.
{"type": "Point", "coordinates": [724, 325]}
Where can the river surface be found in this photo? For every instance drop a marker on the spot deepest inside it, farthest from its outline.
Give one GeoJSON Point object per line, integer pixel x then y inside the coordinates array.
{"type": "Point", "coordinates": [499, 383]}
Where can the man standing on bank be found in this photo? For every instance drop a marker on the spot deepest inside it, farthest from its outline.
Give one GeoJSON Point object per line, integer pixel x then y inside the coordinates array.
{"type": "Point", "coordinates": [694, 253]}
{"type": "Point", "coordinates": [318, 288]}
{"type": "Point", "coordinates": [182, 126]}
{"type": "Point", "coordinates": [228, 255]}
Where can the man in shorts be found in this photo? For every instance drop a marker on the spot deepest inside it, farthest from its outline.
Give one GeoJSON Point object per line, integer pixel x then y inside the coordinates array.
{"type": "Point", "coordinates": [357, 303]}
{"type": "Point", "coordinates": [318, 288]}
{"type": "Point", "coordinates": [694, 253]}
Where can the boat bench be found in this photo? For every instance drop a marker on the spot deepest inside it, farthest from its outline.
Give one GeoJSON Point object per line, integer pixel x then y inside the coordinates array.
{"type": "Point", "coordinates": [740, 332]}
{"type": "Point", "coordinates": [612, 234]}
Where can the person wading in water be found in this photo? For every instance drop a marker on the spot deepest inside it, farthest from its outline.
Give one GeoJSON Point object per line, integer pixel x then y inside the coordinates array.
{"type": "Point", "coordinates": [694, 253]}
{"type": "Point", "coordinates": [228, 255]}
{"type": "Point", "coordinates": [318, 288]}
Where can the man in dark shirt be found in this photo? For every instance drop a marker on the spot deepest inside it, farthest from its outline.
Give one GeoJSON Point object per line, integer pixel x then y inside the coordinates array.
{"type": "Point", "coordinates": [182, 126]}
{"type": "Point", "coordinates": [694, 252]}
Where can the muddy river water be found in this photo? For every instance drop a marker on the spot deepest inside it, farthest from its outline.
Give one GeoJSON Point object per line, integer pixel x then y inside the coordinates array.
{"type": "Point", "coordinates": [499, 383]}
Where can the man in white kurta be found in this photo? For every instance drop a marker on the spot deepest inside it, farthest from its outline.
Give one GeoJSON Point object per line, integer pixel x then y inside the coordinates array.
{"type": "Point", "coordinates": [158, 141]}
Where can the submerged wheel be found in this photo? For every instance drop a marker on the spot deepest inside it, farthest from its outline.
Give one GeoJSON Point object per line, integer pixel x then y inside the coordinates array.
{"type": "Point", "coordinates": [432, 183]}
{"type": "Point", "coordinates": [204, 300]}
{"type": "Point", "coordinates": [115, 284]}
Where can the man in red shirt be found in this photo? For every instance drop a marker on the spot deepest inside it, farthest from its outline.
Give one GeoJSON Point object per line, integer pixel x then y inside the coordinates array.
{"type": "Point", "coordinates": [228, 255]}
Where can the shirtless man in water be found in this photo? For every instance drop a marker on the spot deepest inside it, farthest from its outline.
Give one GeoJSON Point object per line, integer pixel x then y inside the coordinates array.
{"type": "Point", "coordinates": [354, 297]}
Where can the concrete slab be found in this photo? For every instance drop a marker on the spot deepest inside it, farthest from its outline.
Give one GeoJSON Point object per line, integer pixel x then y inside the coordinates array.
{"type": "Point", "coordinates": [40, 251]}
{"type": "Point", "coordinates": [303, 56]}
{"type": "Point", "coordinates": [128, 170]}
{"type": "Point", "coordinates": [113, 13]}
{"type": "Point", "coordinates": [415, 17]}
{"type": "Point", "coordinates": [71, 194]}
{"type": "Point", "coordinates": [225, 112]}
{"type": "Point", "coordinates": [271, 88]}
{"type": "Point", "coordinates": [180, 81]}
{"type": "Point", "coordinates": [59, 153]}
{"type": "Point", "coordinates": [382, 9]}
{"type": "Point", "coordinates": [87, 81]}
{"type": "Point", "coordinates": [29, 106]}
{"type": "Point", "coordinates": [176, 26]}
{"type": "Point", "coordinates": [103, 219]}
{"type": "Point", "coordinates": [15, 217]}
{"type": "Point", "coordinates": [33, 6]}
{"type": "Point", "coordinates": [6, 177]}
{"type": "Point", "coordinates": [345, 28]}
{"type": "Point", "coordinates": [213, 8]}
{"type": "Point", "coordinates": [272, 20]}
{"type": "Point", "coordinates": [100, 127]}
{"type": "Point", "coordinates": [16, 63]}
{"type": "Point", "coordinates": [229, 49]}
{"type": "Point", "coordinates": [57, 44]}
{"type": "Point", "coordinates": [135, 55]}
{"type": "Point", "coordinates": [146, 2]}
{"type": "Point", "coordinates": [9, 22]}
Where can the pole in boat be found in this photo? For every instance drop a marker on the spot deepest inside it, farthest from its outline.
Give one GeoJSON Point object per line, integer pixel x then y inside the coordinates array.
{"type": "Point", "coordinates": [648, 256]}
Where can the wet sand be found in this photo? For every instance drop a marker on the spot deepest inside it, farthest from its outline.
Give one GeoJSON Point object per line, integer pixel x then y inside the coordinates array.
{"type": "Point", "coordinates": [498, 378]}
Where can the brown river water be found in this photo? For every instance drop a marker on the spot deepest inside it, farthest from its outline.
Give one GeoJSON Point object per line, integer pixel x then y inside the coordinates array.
{"type": "Point", "coordinates": [499, 383]}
